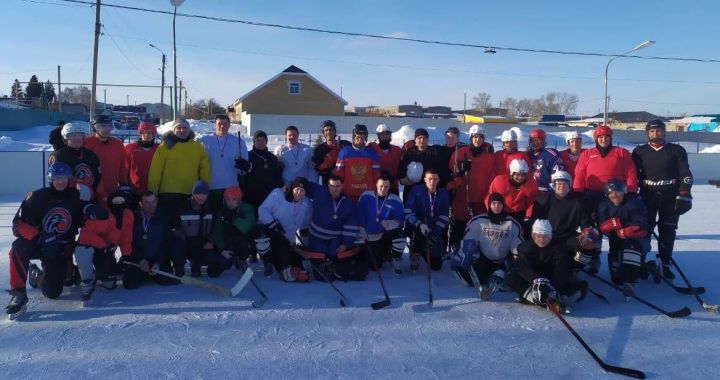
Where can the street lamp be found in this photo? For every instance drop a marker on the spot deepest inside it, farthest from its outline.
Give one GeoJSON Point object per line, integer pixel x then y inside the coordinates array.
{"type": "Point", "coordinates": [175, 4]}
{"type": "Point", "coordinates": [607, 100]}
{"type": "Point", "coordinates": [162, 84]}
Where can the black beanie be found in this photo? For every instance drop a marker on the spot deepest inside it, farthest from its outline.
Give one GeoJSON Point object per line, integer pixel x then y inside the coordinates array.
{"type": "Point", "coordinates": [421, 132]}
{"type": "Point", "coordinates": [495, 197]}
{"type": "Point", "coordinates": [260, 134]}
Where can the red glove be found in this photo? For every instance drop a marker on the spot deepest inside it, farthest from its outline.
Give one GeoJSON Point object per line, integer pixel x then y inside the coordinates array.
{"type": "Point", "coordinates": [612, 224]}
{"type": "Point", "coordinates": [631, 232]}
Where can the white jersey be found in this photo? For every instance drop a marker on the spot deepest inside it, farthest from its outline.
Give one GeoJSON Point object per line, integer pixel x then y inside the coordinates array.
{"type": "Point", "coordinates": [291, 215]}
{"type": "Point", "coordinates": [222, 152]}
{"type": "Point", "coordinates": [297, 162]}
{"type": "Point", "coordinates": [494, 241]}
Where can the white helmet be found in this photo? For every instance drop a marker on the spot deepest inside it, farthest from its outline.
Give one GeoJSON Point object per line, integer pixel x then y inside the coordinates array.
{"type": "Point", "coordinates": [561, 175]}
{"type": "Point", "coordinates": [415, 171]}
{"type": "Point", "coordinates": [518, 166]}
{"type": "Point", "coordinates": [508, 135]}
{"type": "Point", "coordinates": [476, 130]}
{"type": "Point", "coordinates": [382, 128]}
{"type": "Point", "coordinates": [69, 128]}
{"type": "Point", "coordinates": [572, 135]}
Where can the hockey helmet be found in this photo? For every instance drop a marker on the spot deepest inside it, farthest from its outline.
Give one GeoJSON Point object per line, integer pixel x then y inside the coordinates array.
{"type": "Point", "coordinates": [382, 128]}
{"type": "Point", "coordinates": [518, 166]}
{"type": "Point", "coordinates": [360, 129]}
{"type": "Point", "coordinates": [476, 130]}
{"type": "Point", "coordinates": [70, 128]}
{"type": "Point", "coordinates": [561, 175]}
{"type": "Point", "coordinates": [654, 124]}
{"type": "Point", "coordinates": [615, 184]}
{"type": "Point", "coordinates": [542, 227]}
{"type": "Point", "coordinates": [537, 133]}
{"type": "Point", "coordinates": [328, 123]}
{"type": "Point", "coordinates": [571, 136]}
{"type": "Point", "coordinates": [100, 119]}
{"type": "Point", "coordinates": [415, 171]}
{"type": "Point", "coordinates": [602, 130]}
{"type": "Point", "coordinates": [59, 170]}
{"type": "Point", "coordinates": [508, 135]}
{"type": "Point", "coordinates": [147, 126]}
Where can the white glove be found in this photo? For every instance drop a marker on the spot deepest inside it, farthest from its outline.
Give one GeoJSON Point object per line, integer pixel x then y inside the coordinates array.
{"type": "Point", "coordinates": [424, 229]}
{"type": "Point", "coordinates": [390, 224]}
{"type": "Point", "coordinates": [85, 192]}
{"type": "Point", "coordinates": [362, 235]}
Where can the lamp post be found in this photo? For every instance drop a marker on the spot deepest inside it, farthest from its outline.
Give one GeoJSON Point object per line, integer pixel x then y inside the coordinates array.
{"type": "Point", "coordinates": [607, 100]}
{"type": "Point", "coordinates": [175, 4]}
{"type": "Point", "coordinates": [162, 85]}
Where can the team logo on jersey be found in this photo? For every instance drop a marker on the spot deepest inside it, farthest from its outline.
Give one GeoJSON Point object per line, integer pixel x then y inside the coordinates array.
{"type": "Point", "coordinates": [688, 180]}
{"type": "Point", "coordinates": [358, 172]}
{"type": "Point", "coordinates": [57, 220]}
{"type": "Point", "coordinates": [84, 173]}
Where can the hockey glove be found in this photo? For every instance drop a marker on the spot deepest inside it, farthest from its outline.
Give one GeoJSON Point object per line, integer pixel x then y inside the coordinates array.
{"type": "Point", "coordinates": [276, 227]}
{"type": "Point", "coordinates": [589, 238]}
{"type": "Point", "coordinates": [49, 244]}
{"type": "Point", "coordinates": [85, 192]}
{"type": "Point", "coordinates": [610, 225]}
{"type": "Point", "coordinates": [582, 258]}
{"type": "Point", "coordinates": [424, 229]}
{"type": "Point", "coordinates": [466, 255]}
{"type": "Point", "coordinates": [242, 164]}
{"type": "Point", "coordinates": [95, 212]}
{"type": "Point", "coordinates": [683, 204]}
{"type": "Point", "coordinates": [463, 167]}
{"type": "Point", "coordinates": [631, 232]}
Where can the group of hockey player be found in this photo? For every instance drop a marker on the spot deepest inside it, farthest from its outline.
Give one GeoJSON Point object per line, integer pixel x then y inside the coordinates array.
{"type": "Point", "coordinates": [520, 220]}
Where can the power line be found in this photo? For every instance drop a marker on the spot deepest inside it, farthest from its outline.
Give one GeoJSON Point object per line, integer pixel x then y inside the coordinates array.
{"type": "Point", "coordinates": [396, 38]}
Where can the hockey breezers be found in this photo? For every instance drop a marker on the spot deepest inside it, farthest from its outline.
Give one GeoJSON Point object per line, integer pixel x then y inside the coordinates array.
{"type": "Point", "coordinates": [684, 312]}
{"type": "Point", "coordinates": [343, 300]}
{"type": "Point", "coordinates": [386, 302]}
{"type": "Point", "coordinates": [706, 307]}
{"type": "Point", "coordinates": [554, 307]}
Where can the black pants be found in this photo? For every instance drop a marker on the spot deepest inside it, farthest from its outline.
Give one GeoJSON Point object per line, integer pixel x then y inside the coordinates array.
{"type": "Point", "coordinates": [54, 264]}
{"type": "Point", "coordinates": [420, 245]}
{"type": "Point", "coordinates": [383, 250]}
{"type": "Point", "coordinates": [170, 204]}
{"type": "Point", "coordinates": [280, 255]}
{"type": "Point", "coordinates": [661, 213]}
{"type": "Point", "coordinates": [621, 268]}
{"type": "Point", "coordinates": [456, 234]}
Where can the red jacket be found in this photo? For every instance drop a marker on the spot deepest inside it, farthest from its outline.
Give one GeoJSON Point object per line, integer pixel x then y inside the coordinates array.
{"type": "Point", "coordinates": [516, 199]}
{"type": "Point", "coordinates": [137, 166]}
{"type": "Point", "coordinates": [570, 161]}
{"type": "Point", "coordinates": [593, 171]}
{"type": "Point", "coordinates": [389, 162]}
{"type": "Point", "coordinates": [110, 154]}
{"type": "Point", "coordinates": [482, 172]}
{"type": "Point", "coordinates": [104, 233]}
{"type": "Point", "coordinates": [503, 160]}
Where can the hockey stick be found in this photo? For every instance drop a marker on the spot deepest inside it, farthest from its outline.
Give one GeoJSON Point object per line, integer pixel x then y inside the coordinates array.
{"type": "Point", "coordinates": [386, 302]}
{"type": "Point", "coordinates": [258, 303]}
{"type": "Point", "coordinates": [706, 307]}
{"type": "Point", "coordinates": [680, 289]}
{"type": "Point", "coordinates": [684, 312]}
{"type": "Point", "coordinates": [598, 295]}
{"type": "Point", "coordinates": [429, 273]}
{"type": "Point", "coordinates": [554, 307]}
{"type": "Point", "coordinates": [190, 281]}
{"type": "Point", "coordinates": [343, 300]}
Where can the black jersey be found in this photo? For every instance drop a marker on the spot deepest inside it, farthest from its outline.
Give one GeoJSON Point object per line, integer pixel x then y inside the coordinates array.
{"type": "Point", "coordinates": [52, 211]}
{"type": "Point", "coordinates": [84, 163]}
{"type": "Point", "coordinates": [565, 215]}
{"type": "Point", "coordinates": [431, 157]}
{"type": "Point", "coordinates": [663, 169]}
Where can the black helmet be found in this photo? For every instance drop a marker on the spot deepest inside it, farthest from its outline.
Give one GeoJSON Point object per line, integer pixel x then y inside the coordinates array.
{"type": "Point", "coordinates": [653, 124]}
{"type": "Point", "coordinates": [100, 119]}
{"type": "Point", "coordinates": [615, 184]}
{"type": "Point", "coordinates": [328, 123]}
{"type": "Point", "coordinates": [360, 129]}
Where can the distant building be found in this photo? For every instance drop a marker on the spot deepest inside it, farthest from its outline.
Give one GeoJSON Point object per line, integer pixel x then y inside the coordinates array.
{"type": "Point", "coordinates": [291, 92]}
{"type": "Point", "coordinates": [629, 120]}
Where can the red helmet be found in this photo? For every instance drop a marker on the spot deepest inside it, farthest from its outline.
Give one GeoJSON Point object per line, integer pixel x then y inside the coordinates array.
{"type": "Point", "coordinates": [602, 130]}
{"type": "Point", "coordinates": [233, 192]}
{"type": "Point", "coordinates": [538, 133]}
{"type": "Point", "coordinates": [147, 126]}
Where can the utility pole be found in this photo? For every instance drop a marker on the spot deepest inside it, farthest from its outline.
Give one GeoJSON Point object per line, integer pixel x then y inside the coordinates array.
{"type": "Point", "coordinates": [178, 97]}
{"type": "Point", "coordinates": [95, 59]}
{"type": "Point", "coordinates": [187, 102]}
{"type": "Point", "coordinates": [162, 91]}
{"type": "Point", "coordinates": [104, 98]}
{"type": "Point", "coordinates": [59, 93]}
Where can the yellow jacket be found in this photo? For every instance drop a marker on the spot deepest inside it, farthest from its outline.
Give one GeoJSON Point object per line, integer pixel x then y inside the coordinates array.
{"type": "Point", "coordinates": [177, 165]}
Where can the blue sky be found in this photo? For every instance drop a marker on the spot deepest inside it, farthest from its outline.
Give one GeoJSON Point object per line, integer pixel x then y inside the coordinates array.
{"type": "Point", "coordinates": [226, 60]}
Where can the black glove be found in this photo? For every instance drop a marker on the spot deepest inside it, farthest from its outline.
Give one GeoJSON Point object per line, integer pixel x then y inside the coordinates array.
{"type": "Point", "coordinates": [683, 204]}
{"type": "Point", "coordinates": [463, 167]}
{"type": "Point", "coordinates": [242, 164]}
{"type": "Point", "coordinates": [95, 212]}
{"type": "Point", "coordinates": [277, 227]}
{"type": "Point", "coordinates": [50, 245]}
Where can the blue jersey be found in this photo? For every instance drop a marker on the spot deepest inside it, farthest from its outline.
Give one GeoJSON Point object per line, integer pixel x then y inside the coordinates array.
{"type": "Point", "coordinates": [544, 163]}
{"type": "Point", "coordinates": [431, 209]}
{"type": "Point", "coordinates": [372, 210]}
{"type": "Point", "coordinates": [333, 223]}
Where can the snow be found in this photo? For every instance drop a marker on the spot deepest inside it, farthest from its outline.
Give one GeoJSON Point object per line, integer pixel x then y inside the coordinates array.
{"type": "Point", "coordinates": [711, 149]}
{"type": "Point", "coordinates": [184, 332]}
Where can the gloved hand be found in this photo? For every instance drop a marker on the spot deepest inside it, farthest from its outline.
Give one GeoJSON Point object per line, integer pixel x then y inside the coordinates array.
{"type": "Point", "coordinates": [361, 236]}
{"type": "Point", "coordinates": [95, 212]}
{"type": "Point", "coordinates": [582, 258]}
{"type": "Point", "coordinates": [242, 164]}
{"type": "Point", "coordinates": [85, 191]}
{"type": "Point", "coordinates": [276, 226]}
{"type": "Point", "coordinates": [631, 232]}
{"type": "Point", "coordinates": [466, 255]}
{"type": "Point", "coordinates": [390, 224]}
{"type": "Point", "coordinates": [589, 238]}
{"type": "Point", "coordinates": [424, 229]}
{"type": "Point", "coordinates": [49, 244]}
{"type": "Point", "coordinates": [683, 204]}
{"type": "Point", "coordinates": [609, 225]}
{"type": "Point", "coordinates": [463, 167]}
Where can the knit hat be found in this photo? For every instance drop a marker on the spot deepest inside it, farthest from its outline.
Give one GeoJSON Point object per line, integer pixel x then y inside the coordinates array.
{"type": "Point", "coordinates": [454, 130]}
{"type": "Point", "coordinates": [495, 197]}
{"type": "Point", "coordinates": [181, 122]}
{"type": "Point", "coordinates": [233, 192]}
{"type": "Point", "coordinates": [201, 187]}
{"type": "Point", "coordinates": [421, 132]}
{"type": "Point", "coordinates": [542, 226]}
{"type": "Point", "coordinates": [260, 133]}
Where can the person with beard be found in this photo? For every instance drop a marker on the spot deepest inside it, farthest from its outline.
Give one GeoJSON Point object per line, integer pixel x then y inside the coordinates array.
{"type": "Point", "coordinates": [177, 164]}
{"type": "Point", "coordinates": [544, 160]}
{"type": "Point", "coordinates": [665, 182]}
{"type": "Point", "coordinates": [421, 152]}
{"type": "Point", "coordinates": [45, 226]}
{"type": "Point", "coordinates": [280, 216]}
{"type": "Point", "coordinates": [138, 156]}
{"type": "Point", "coordinates": [325, 155]}
{"type": "Point", "coordinates": [509, 152]}
{"type": "Point", "coordinates": [265, 174]}
{"type": "Point", "coordinates": [84, 163]}
{"type": "Point", "coordinates": [571, 155]}
{"type": "Point", "coordinates": [98, 241]}
{"type": "Point", "coordinates": [427, 210]}
{"type": "Point", "coordinates": [598, 165]}
{"type": "Point", "coordinates": [230, 241]}
{"type": "Point", "coordinates": [388, 155]}
{"type": "Point", "coordinates": [110, 151]}
{"type": "Point", "coordinates": [193, 226]}
{"type": "Point", "coordinates": [543, 270]}
{"type": "Point", "coordinates": [518, 192]}
{"type": "Point", "coordinates": [488, 246]}
{"type": "Point", "coordinates": [357, 165]}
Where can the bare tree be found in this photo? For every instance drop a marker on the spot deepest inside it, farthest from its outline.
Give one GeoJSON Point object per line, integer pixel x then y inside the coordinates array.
{"type": "Point", "coordinates": [524, 107]}
{"type": "Point", "coordinates": [568, 103]}
{"type": "Point", "coordinates": [511, 104]}
{"type": "Point", "coordinates": [78, 94]}
{"type": "Point", "coordinates": [481, 101]}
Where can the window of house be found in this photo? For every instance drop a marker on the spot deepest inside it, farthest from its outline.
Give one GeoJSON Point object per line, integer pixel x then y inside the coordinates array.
{"type": "Point", "coordinates": [294, 88]}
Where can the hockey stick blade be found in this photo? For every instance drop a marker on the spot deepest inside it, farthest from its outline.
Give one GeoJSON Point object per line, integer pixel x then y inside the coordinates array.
{"type": "Point", "coordinates": [599, 296]}
{"type": "Point", "coordinates": [235, 290]}
{"type": "Point", "coordinates": [683, 290]}
{"type": "Point", "coordinates": [554, 307]}
{"type": "Point", "coordinates": [380, 304]}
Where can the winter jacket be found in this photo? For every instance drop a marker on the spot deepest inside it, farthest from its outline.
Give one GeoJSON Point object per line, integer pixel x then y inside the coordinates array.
{"type": "Point", "coordinates": [389, 162]}
{"type": "Point", "coordinates": [493, 240]}
{"type": "Point", "coordinates": [111, 154]}
{"type": "Point", "coordinates": [104, 233]}
{"type": "Point", "coordinates": [137, 166]}
{"type": "Point", "coordinates": [570, 161]}
{"type": "Point", "coordinates": [291, 215]}
{"type": "Point", "coordinates": [177, 165]}
{"type": "Point", "coordinates": [265, 175]}
{"type": "Point", "coordinates": [229, 223]}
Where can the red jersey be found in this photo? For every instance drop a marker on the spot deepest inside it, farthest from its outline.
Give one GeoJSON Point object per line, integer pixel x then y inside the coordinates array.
{"type": "Point", "coordinates": [516, 199]}
{"type": "Point", "coordinates": [389, 161]}
{"type": "Point", "coordinates": [570, 161]}
{"type": "Point", "coordinates": [110, 153]}
{"type": "Point", "coordinates": [593, 170]}
{"type": "Point", "coordinates": [137, 166]}
{"type": "Point", "coordinates": [503, 160]}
